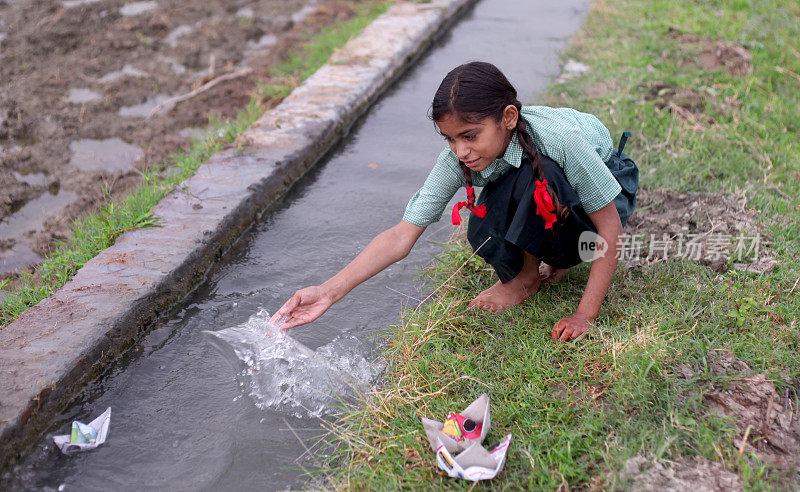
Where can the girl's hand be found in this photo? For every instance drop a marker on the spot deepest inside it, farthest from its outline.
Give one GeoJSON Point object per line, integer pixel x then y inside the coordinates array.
{"type": "Point", "coordinates": [308, 304]}
{"type": "Point", "coordinates": [571, 328]}
{"type": "Point", "coordinates": [305, 306]}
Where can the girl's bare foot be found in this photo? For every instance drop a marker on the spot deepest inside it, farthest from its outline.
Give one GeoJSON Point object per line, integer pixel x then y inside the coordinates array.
{"type": "Point", "coordinates": [501, 296]}
{"type": "Point", "coordinates": [550, 273]}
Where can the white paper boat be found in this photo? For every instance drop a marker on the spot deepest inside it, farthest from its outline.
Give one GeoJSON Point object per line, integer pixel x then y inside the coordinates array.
{"type": "Point", "coordinates": [471, 461]}
{"type": "Point", "coordinates": [475, 463]}
{"type": "Point", "coordinates": [478, 411]}
{"type": "Point", "coordinates": [100, 427]}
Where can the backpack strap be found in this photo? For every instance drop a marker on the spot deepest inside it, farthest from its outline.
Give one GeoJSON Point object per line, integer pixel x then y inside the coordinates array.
{"type": "Point", "coordinates": [622, 141]}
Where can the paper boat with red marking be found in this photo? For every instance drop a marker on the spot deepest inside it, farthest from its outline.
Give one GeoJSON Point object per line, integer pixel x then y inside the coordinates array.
{"type": "Point", "coordinates": [477, 411]}
{"type": "Point", "coordinates": [475, 463]}
{"type": "Point", "coordinates": [462, 457]}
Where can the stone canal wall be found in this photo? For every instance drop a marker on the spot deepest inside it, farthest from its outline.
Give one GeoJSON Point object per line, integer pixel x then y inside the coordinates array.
{"type": "Point", "coordinates": [57, 346]}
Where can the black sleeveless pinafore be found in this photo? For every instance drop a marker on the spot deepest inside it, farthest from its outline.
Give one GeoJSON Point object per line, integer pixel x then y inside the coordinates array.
{"type": "Point", "coordinates": [511, 224]}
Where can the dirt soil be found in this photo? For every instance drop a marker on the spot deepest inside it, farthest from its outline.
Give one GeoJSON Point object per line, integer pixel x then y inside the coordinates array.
{"type": "Point", "coordinates": [691, 104]}
{"type": "Point", "coordinates": [768, 423]}
{"type": "Point", "coordinates": [712, 55]}
{"type": "Point", "coordinates": [674, 98]}
{"type": "Point", "coordinates": [735, 59]}
{"type": "Point", "coordinates": [712, 229]}
{"type": "Point", "coordinates": [79, 77]}
{"type": "Point", "coordinates": [686, 475]}
{"type": "Point", "coordinates": [768, 419]}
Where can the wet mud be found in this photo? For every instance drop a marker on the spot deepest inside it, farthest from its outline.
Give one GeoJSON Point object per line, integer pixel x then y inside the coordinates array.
{"type": "Point", "coordinates": [79, 77]}
{"type": "Point", "coordinates": [735, 59]}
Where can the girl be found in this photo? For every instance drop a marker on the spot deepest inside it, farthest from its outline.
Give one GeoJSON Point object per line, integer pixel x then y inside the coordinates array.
{"type": "Point", "coordinates": [550, 178]}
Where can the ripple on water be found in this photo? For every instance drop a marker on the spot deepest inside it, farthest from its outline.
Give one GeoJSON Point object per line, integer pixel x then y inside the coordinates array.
{"type": "Point", "coordinates": [239, 446]}
{"type": "Point", "coordinates": [143, 110]}
{"type": "Point", "coordinates": [111, 154]}
{"type": "Point", "coordinates": [136, 8]}
{"type": "Point", "coordinates": [81, 96]}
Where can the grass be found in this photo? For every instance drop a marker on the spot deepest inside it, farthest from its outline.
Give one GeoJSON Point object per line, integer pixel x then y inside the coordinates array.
{"type": "Point", "coordinates": [98, 230]}
{"type": "Point", "coordinates": [579, 410]}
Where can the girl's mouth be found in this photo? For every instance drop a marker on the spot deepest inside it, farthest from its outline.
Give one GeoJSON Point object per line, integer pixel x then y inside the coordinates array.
{"type": "Point", "coordinates": [471, 163]}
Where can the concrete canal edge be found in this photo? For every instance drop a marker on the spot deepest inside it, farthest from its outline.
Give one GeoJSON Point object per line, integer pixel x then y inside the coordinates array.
{"type": "Point", "coordinates": [53, 349]}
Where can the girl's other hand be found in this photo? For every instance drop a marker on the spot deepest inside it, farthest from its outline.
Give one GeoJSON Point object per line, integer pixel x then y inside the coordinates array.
{"type": "Point", "coordinates": [305, 306]}
{"type": "Point", "coordinates": [571, 328]}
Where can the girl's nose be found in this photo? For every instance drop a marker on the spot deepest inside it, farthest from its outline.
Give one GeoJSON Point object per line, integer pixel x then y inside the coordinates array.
{"type": "Point", "coordinates": [462, 151]}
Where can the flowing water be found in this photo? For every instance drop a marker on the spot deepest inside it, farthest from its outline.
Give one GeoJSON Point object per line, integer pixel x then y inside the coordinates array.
{"type": "Point", "coordinates": [193, 410]}
{"type": "Point", "coordinates": [276, 371]}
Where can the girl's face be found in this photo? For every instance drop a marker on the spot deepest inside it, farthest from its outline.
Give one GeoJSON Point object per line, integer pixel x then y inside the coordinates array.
{"type": "Point", "coordinates": [477, 144]}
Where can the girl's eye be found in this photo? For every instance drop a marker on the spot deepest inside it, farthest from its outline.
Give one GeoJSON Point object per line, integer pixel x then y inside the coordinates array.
{"type": "Point", "coordinates": [470, 137]}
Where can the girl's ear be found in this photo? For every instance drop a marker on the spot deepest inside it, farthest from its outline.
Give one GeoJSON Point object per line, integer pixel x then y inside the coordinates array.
{"type": "Point", "coordinates": [510, 117]}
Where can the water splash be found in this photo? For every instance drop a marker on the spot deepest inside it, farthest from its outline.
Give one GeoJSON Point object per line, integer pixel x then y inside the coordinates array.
{"type": "Point", "coordinates": [278, 372]}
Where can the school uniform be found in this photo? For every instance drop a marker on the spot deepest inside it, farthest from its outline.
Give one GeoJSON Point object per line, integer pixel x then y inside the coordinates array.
{"type": "Point", "coordinates": [582, 167]}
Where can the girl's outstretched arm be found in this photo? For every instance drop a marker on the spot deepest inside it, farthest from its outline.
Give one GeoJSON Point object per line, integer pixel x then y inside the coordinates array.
{"type": "Point", "coordinates": [609, 227]}
{"type": "Point", "coordinates": [388, 247]}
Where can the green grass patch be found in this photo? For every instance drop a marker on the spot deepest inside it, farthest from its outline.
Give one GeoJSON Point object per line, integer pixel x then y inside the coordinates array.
{"type": "Point", "coordinates": [579, 410]}
{"type": "Point", "coordinates": [98, 230]}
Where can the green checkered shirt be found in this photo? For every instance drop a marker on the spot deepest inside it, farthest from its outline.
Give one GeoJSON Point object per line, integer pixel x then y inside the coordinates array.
{"type": "Point", "coordinates": [577, 141]}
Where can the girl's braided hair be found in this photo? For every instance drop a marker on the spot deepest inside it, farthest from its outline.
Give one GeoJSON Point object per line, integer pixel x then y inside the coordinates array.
{"type": "Point", "coordinates": [478, 90]}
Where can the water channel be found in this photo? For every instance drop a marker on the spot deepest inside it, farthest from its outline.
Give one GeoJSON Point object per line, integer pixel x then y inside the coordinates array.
{"type": "Point", "coordinates": [181, 418]}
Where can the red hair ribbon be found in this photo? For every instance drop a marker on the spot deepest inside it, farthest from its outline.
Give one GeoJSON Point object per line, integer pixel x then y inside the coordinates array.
{"type": "Point", "coordinates": [544, 204]}
{"type": "Point", "coordinates": [470, 204]}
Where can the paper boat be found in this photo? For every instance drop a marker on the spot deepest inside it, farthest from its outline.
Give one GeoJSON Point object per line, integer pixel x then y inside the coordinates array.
{"type": "Point", "coordinates": [478, 411]}
{"type": "Point", "coordinates": [475, 463]}
{"type": "Point", "coordinates": [86, 436]}
{"type": "Point", "coordinates": [471, 461]}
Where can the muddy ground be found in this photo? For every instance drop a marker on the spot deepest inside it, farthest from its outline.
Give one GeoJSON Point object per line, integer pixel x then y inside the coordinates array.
{"type": "Point", "coordinates": [716, 230]}
{"type": "Point", "coordinates": [79, 77]}
{"type": "Point", "coordinates": [767, 420]}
